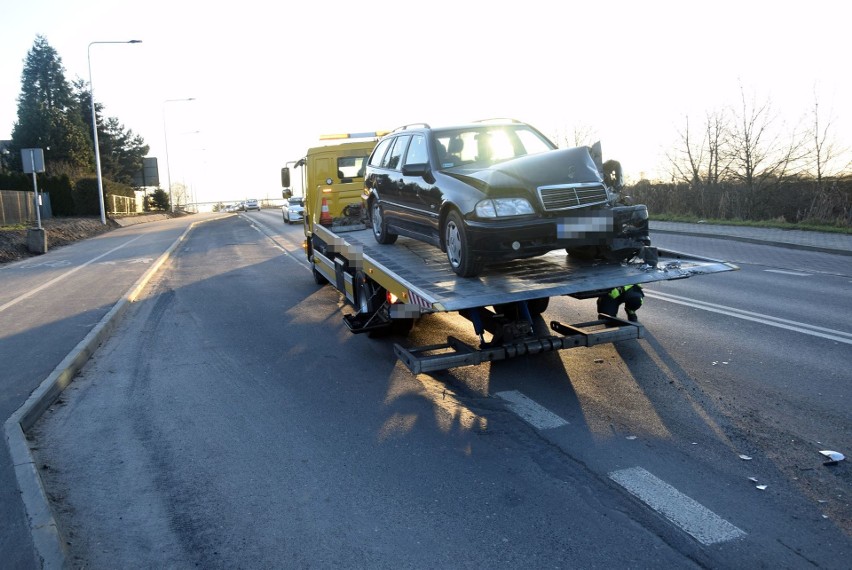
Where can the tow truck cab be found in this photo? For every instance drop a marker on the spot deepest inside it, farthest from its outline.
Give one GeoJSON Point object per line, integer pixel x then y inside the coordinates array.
{"type": "Point", "coordinates": [333, 180]}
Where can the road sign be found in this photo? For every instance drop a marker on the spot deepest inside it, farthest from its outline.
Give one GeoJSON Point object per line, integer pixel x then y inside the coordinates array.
{"type": "Point", "coordinates": [33, 160]}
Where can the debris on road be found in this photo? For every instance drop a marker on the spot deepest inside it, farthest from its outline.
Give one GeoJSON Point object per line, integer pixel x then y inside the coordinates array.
{"type": "Point", "coordinates": [834, 457]}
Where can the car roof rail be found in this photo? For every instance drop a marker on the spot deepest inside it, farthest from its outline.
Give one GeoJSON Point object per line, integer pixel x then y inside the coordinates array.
{"type": "Point", "coordinates": [412, 125]}
{"type": "Point", "coordinates": [500, 120]}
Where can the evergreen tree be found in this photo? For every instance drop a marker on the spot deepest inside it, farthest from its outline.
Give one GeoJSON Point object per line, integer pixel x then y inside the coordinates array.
{"type": "Point", "coordinates": [48, 114]}
{"type": "Point", "coordinates": [121, 150]}
{"type": "Point", "coordinates": [158, 200]}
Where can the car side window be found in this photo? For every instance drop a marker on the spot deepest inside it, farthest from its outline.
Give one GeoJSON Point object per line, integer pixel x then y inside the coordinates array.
{"type": "Point", "coordinates": [395, 155]}
{"type": "Point", "coordinates": [379, 153]}
{"type": "Point", "coordinates": [417, 153]}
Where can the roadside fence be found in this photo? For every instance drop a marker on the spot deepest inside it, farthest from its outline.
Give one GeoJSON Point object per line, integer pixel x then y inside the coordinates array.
{"type": "Point", "coordinates": [17, 207]}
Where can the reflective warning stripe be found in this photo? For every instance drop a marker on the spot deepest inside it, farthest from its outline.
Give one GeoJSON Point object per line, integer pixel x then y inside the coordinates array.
{"type": "Point", "coordinates": [618, 291]}
{"type": "Point", "coordinates": [418, 300]}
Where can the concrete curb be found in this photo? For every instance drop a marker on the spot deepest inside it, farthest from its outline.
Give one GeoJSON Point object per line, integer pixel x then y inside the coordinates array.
{"type": "Point", "coordinates": [133, 220]}
{"type": "Point", "coordinates": [785, 244]}
{"type": "Point", "coordinates": [47, 537]}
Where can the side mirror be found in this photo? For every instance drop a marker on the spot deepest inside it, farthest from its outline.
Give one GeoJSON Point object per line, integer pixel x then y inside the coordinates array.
{"type": "Point", "coordinates": [285, 177]}
{"type": "Point", "coordinates": [419, 169]}
{"type": "Point", "coordinates": [286, 193]}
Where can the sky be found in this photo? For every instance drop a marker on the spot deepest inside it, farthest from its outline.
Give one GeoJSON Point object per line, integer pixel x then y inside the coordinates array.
{"type": "Point", "coordinates": [267, 79]}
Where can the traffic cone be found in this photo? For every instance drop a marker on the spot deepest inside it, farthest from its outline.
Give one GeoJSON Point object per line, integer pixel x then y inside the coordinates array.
{"type": "Point", "coordinates": [325, 217]}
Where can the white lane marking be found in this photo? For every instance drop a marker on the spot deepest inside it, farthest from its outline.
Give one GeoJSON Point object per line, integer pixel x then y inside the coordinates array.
{"type": "Point", "coordinates": [702, 524]}
{"type": "Point", "coordinates": [43, 286]}
{"type": "Point", "coordinates": [831, 334]}
{"type": "Point", "coordinates": [531, 412]}
{"type": "Point", "coordinates": [795, 273]}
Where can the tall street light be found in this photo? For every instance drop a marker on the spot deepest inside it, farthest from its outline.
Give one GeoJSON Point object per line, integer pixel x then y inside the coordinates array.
{"type": "Point", "coordinates": [95, 124]}
{"type": "Point", "coordinates": [166, 137]}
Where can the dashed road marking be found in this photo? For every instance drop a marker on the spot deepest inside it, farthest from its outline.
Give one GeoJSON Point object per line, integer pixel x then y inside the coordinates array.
{"type": "Point", "coordinates": [696, 520]}
{"type": "Point", "coordinates": [531, 412]}
{"type": "Point", "coordinates": [795, 273]}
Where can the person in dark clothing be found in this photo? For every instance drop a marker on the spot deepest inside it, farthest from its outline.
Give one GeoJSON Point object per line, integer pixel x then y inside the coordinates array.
{"type": "Point", "coordinates": [632, 297]}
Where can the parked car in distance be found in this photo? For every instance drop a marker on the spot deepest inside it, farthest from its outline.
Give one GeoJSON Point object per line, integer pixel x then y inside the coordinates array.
{"type": "Point", "coordinates": [252, 204]}
{"type": "Point", "coordinates": [294, 209]}
{"type": "Point", "coordinates": [496, 191]}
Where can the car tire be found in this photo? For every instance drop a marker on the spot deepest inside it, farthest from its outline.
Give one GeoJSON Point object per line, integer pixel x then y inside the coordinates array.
{"type": "Point", "coordinates": [458, 248]}
{"type": "Point", "coordinates": [380, 230]}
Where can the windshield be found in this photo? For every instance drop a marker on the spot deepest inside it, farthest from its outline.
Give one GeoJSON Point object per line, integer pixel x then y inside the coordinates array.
{"type": "Point", "coordinates": [296, 201]}
{"type": "Point", "coordinates": [487, 145]}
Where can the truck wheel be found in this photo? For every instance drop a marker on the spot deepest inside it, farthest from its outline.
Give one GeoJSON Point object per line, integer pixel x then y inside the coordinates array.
{"type": "Point", "coordinates": [458, 248]}
{"type": "Point", "coordinates": [380, 230]}
{"type": "Point", "coordinates": [370, 294]}
{"type": "Point", "coordinates": [398, 327]}
{"type": "Point", "coordinates": [401, 327]}
{"type": "Point", "coordinates": [319, 279]}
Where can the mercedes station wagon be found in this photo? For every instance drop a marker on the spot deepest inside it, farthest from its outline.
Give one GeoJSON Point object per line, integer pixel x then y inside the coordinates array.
{"type": "Point", "coordinates": [496, 191]}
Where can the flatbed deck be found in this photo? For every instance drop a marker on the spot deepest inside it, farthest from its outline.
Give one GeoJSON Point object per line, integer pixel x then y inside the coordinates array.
{"type": "Point", "coordinates": [419, 272]}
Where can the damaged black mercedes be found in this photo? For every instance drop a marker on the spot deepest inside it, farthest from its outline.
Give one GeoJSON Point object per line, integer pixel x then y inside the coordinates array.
{"type": "Point", "coordinates": [499, 190]}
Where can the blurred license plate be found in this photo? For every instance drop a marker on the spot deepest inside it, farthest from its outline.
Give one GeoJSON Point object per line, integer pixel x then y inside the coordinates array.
{"type": "Point", "coordinates": [585, 225]}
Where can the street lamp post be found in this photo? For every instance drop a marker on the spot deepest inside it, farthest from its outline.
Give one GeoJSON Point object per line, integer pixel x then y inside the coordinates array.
{"type": "Point", "coordinates": [95, 124]}
{"type": "Point", "coordinates": [166, 138]}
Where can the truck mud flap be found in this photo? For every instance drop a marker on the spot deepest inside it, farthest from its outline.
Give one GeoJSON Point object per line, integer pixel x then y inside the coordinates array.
{"type": "Point", "coordinates": [455, 353]}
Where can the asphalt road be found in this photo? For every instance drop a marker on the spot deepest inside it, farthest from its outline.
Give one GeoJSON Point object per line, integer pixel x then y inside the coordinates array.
{"type": "Point", "coordinates": [48, 305]}
{"type": "Point", "coordinates": [232, 420]}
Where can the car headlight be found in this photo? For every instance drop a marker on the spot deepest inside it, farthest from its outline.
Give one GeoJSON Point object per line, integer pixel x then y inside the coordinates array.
{"type": "Point", "coordinates": [497, 207]}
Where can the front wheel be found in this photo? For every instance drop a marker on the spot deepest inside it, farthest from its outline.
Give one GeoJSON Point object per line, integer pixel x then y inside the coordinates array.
{"type": "Point", "coordinates": [458, 248]}
{"type": "Point", "coordinates": [380, 230]}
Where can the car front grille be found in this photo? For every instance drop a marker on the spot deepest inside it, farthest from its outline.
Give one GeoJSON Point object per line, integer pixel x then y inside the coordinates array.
{"type": "Point", "coordinates": [569, 196]}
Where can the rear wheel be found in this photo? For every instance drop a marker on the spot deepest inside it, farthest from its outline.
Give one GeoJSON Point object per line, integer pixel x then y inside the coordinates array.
{"type": "Point", "coordinates": [380, 230]}
{"type": "Point", "coordinates": [370, 294]}
{"type": "Point", "coordinates": [319, 278]}
{"type": "Point", "coordinates": [458, 248]}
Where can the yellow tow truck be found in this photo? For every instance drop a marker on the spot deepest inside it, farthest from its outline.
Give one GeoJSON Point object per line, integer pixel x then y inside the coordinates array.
{"type": "Point", "coordinates": [391, 286]}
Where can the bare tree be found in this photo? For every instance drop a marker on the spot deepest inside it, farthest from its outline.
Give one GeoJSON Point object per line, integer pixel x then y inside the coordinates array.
{"type": "Point", "coordinates": [685, 160]}
{"type": "Point", "coordinates": [698, 159]}
{"type": "Point", "coordinates": [581, 135]}
{"type": "Point", "coordinates": [697, 162]}
{"type": "Point", "coordinates": [758, 154]}
{"type": "Point", "coordinates": [825, 154]}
